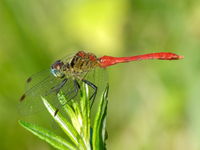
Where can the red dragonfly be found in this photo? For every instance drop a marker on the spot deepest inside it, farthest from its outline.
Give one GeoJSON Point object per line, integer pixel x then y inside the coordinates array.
{"type": "Point", "coordinates": [67, 75]}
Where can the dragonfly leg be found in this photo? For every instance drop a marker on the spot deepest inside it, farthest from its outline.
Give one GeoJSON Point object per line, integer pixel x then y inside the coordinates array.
{"type": "Point", "coordinates": [52, 89]}
{"type": "Point", "coordinates": [61, 85]}
{"type": "Point", "coordinates": [95, 90]}
{"type": "Point", "coordinates": [74, 89]}
{"type": "Point", "coordinates": [58, 89]}
{"type": "Point", "coordinates": [77, 87]}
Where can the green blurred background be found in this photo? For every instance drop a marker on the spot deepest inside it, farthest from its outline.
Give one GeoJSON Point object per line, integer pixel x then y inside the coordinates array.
{"type": "Point", "coordinates": [153, 105]}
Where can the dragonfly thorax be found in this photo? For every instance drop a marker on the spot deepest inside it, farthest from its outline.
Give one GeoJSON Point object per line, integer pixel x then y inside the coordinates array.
{"type": "Point", "coordinates": [82, 62]}
{"type": "Point", "coordinates": [58, 69]}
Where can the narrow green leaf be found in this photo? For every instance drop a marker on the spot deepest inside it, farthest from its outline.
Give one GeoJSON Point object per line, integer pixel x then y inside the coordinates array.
{"type": "Point", "coordinates": [100, 122]}
{"type": "Point", "coordinates": [73, 112]}
{"type": "Point", "coordinates": [66, 126]}
{"type": "Point", "coordinates": [79, 119]}
{"type": "Point", "coordinates": [48, 136]}
{"type": "Point", "coordinates": [85, 110]}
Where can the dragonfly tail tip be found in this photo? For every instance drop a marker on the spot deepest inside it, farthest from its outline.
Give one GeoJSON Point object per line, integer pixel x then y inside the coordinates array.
{"type": "Point", "coordinates": [181, 57]}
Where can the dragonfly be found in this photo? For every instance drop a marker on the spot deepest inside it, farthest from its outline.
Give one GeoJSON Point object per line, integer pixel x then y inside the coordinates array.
{"type": "Point", "coordinates": [67, 74]}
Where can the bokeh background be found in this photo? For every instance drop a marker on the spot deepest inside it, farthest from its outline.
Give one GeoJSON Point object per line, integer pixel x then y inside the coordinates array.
{"type": "Point", "coordinates": [153, 104]}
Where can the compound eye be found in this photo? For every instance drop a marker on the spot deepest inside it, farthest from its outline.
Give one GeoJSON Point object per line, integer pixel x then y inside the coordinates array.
{"type": "Point", "coordinates": [57, 65]}
{"type": "Point", "coordinates": [57, 69]}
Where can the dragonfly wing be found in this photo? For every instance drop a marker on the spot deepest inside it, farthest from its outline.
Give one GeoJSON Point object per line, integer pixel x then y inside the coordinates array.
{"type": "Point", "coordinates": [37, 78]}
{"type": "Point", "coordinates": [41, 84]}
{"type": "Point", "coordinates": [31, 105]}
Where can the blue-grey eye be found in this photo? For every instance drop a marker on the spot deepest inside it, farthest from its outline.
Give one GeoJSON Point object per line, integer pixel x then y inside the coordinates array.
{"type": "Point", "coordinates": [57, 69]}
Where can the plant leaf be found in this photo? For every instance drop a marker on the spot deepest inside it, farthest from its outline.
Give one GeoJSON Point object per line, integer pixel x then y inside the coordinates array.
{"type": "Point", "coordinates": [65, 125]}
{"type": "Point", "coordinates": [85, 111]}
{"type": "Point", "coordinates": [48, 136]}
{"type": "Point", "coordinates": [99, 133]}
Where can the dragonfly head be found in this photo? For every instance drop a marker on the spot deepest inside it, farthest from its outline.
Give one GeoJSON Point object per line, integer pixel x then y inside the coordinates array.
{"type": "Point", "coordinates": [57, 69]}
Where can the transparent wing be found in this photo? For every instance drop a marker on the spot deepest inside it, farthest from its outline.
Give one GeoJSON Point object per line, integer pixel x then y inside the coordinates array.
{"type": "Point", "coordinates": [37, 78]}
{"type": "Point", "coordinates": [40, 84]}
{"type": "Point", "coordinates": [31, 105]}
